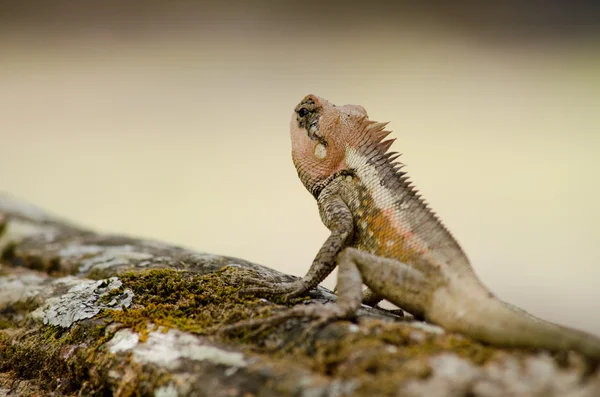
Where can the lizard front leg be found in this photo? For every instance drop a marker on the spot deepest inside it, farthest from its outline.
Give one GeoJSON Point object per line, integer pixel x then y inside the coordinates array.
{"type": "Point", "coordinates": [338, 219]}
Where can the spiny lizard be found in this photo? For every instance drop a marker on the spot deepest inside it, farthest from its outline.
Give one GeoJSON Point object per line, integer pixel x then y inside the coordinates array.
{"type": "Point", "coordinates": [384, 235]}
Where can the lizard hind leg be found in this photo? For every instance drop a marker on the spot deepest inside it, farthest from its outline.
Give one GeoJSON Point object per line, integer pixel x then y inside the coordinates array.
{"type": "Point", "coordinates": [399, 283]}
{"type": "Point", "coordinates": [370, 298]}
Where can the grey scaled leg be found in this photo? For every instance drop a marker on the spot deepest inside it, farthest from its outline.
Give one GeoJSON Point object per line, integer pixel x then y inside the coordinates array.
{"type": "Point", "coordinates": [399, 283]}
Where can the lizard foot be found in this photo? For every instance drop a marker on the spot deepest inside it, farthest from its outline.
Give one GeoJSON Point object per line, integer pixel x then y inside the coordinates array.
{"type": "Point", "coordinates": [265, 288]}
{"type": "Point", "coordinates": [323, 314]}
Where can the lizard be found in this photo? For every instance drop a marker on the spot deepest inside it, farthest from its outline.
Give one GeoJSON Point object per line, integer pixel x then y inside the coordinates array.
{"type": "Point", "coordinates": [384, 235]}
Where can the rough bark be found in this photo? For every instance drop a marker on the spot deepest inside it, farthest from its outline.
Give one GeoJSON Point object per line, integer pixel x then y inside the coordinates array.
{"type": "Point", "coordinates": [84, 314]}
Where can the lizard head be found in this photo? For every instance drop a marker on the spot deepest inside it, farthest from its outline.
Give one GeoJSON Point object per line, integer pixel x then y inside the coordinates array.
{"type": "Point", "coordinates": [324, 136]}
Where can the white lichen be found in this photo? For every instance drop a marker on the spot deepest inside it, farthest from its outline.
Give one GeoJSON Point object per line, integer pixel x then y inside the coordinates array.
{"type": "Point", "coordinates": [123, 340]}
{"type": "Point", "coordinates": [167, 349]}
{"type": "Point", "coordinates": [81, 301]}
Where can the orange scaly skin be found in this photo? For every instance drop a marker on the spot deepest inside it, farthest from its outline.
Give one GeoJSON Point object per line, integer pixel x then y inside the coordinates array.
{"type": "Point", "coordinates": [383, 235]}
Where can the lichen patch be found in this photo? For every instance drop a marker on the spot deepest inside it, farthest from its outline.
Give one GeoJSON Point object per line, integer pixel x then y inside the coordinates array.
{"type": "Point", "coordinates": [123, 340]}
{"type": "Point", "coordinates": [167, 349]}
{"type": "Point", "coordinates": [82, 301]}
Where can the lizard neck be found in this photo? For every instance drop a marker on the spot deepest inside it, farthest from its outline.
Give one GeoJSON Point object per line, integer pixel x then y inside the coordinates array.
{"type": "Point", "coordinates": [318, 187]}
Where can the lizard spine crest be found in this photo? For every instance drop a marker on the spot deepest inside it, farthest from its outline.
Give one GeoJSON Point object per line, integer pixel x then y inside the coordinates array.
{"type": "Point", "coordinates": [393, 192]}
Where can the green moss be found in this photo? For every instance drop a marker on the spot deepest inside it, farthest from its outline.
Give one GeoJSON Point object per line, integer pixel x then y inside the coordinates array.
{"type": "Point", "coordinates": [71, 362]}
{"type": "Point", "coordinates": [67, 361]}
{"type": "Point", "coordinates": [186, 301]}
{"type": "Point", "coordinates": [4, 324]}
{"type": "Point", "coordinates": [37, 356]}
{"type": "Point", "coordinates": [166, 298]}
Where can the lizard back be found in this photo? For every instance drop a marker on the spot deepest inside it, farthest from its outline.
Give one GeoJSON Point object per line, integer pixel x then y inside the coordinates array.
{"type": "Point", "coordinates": [392, 219]}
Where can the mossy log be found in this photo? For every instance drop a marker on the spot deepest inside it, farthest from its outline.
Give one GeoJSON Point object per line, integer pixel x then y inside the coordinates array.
{"type": "Point", "coordinates": [86, 314]}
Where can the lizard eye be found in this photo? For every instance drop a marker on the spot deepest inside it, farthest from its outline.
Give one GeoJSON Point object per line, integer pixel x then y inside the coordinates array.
{"type": "Point", "coordinates": [302, 112]}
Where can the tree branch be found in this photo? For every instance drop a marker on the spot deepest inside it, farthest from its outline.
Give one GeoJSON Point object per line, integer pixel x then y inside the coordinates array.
{"type": "Point", "coordinates": [83, 313]}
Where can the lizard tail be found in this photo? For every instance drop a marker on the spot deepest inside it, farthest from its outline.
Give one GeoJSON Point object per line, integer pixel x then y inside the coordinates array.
{"type": "Point", "coordinates": [476, 312]}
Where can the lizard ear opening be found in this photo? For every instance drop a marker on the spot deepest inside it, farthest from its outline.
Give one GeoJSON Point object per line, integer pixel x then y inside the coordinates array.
{"type": "Point", "coordinates": [320, 151]}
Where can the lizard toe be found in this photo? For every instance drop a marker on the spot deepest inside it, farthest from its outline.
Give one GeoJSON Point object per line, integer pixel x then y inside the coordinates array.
{"type": "Point", "coordinates": [264, 323]}
{"type": "Point", "coordinates": [258, 282]}
{"type": "Point", "coordinates": [257, 291]}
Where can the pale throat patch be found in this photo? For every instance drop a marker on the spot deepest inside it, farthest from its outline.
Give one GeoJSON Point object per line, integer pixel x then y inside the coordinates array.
{"type": "Point", "coordinates": [382, 196]}
{"type": "Point", "coordinates": [320, 151]}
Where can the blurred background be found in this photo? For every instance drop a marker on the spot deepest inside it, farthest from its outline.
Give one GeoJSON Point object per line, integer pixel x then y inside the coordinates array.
{"type": "Point", "coordinates": [169, 120]}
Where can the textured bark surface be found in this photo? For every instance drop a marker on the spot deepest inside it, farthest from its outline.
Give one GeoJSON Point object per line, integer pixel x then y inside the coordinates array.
{"type": "Point", "coordinates": [89, 314]}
